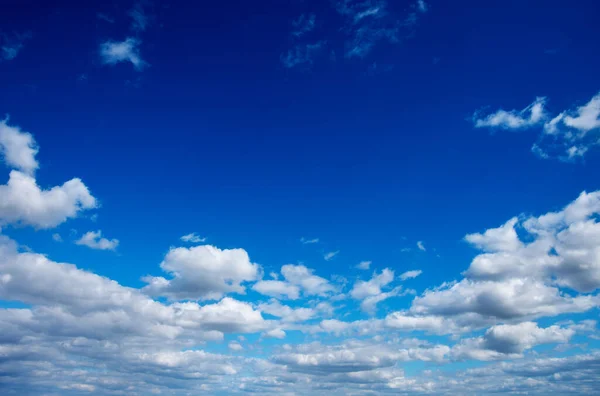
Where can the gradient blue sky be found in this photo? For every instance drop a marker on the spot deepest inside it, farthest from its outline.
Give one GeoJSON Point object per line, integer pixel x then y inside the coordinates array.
{"type": "Point", "coordinates": [368, 127]}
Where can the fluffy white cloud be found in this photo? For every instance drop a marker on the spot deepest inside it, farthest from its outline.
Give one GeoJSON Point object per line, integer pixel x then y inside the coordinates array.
{"type": "Point", "coordinates": [193, 238]}
{"type": "Point", "coordinates": [23, 202]}
{"type": "Point", "coordinates": [566, 136]}
{"type": "Point", "coordinates": [279, 289]}
{"type": "Point", "coordinates": [303, 277]}
{"type": "Point", "coordinates": [528, 117]}
{"type": "Point", "coordinates": [203, 273]}
{"type": "Point", "coordinates": [287, 314]}
{"type": "Point", "coordinates": [18, 148]}
{"type": "Point", "coordinates": [113, 52]}
{"type": "Point", "coordinates": [235, 346]}
{"type": "Point", "coordinates": [275, 333]}
{"type": "Point", "coordinates": [94, 240]}
{"type": "Point", "coordinates": [370, 291]}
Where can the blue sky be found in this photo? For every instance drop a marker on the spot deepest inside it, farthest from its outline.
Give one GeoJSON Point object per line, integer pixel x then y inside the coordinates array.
{"type": "Point", "coordinates": [449, 147]}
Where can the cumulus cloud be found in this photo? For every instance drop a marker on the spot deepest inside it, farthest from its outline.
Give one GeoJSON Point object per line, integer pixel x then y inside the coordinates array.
{"type": "Point", "coordinates": [94, 240]}
{"type": "Point", "coordinates": [114, 52]}
{"type": "Point", "coordinates": [370, 291]}
{"type": "Point", "coordinates": [22, 202]}
{"type": "Point", "coordinates": [18, 148]}
{"type": "Point", "coordinates": [303, 277]}
{"type": "Point", "coordinates": [566, 136]}
{"type": "Point", "coordinates": [279, 289]}
{"type": "Point", "coordinates": [202, 273]}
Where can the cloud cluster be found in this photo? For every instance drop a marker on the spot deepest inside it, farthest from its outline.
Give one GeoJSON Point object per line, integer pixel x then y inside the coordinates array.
{"type": "Point", "coordinates": [566, 136]}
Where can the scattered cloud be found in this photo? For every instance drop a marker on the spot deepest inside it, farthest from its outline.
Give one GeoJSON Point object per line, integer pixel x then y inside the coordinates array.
{"type": "Point", "coordinates": [94, 240]}
{"type": "Point", "coordinates": [275, 288]}
{"type": "Point", "coordinates": [302, 55]}
{"type": "Point", "coordinates": [56, 237]}
{"type": "Point", "coordinates": [18, 148]}
{"type": "Point", "coordinates": [421, 246]}
{"type": "Point", "coordinates": [566, 136]}
{"type": "Point", "coordinates": [139, 17]}
{"type": "Point", "coordinates": [193, 238]}
{"type": "Point", "coordinates": [105, 17]}
{"type": "Point", "coordinates": [309, 241]}
{"type": "Point", "coordinates": [364, 265]}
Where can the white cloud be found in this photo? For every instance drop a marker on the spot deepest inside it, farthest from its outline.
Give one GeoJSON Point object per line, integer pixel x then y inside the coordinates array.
{"type": "Point", "coordinates": [235, 346]}
{"type": "Point", "coordinates": [497, 239]}
{"type": "Point", "coordinates": [203, 273]}
{"type": "Point", "coordinates": [410, 274]}
{"type": "Point", "coordinates": [275, 333]}
{"type": "Point", "coordinates": [113, 52]}
{"type": "Point", "coordinates": [370, 291]}
{"type": "Point", "coordinates": [331, 255]}
{"type": "Point", "coordinates": [23, 202]}
{"type": "Point", "coordinates": [193, 238]}
{"type": "Point", "coordinates": [56, 237]}
{"type": "Point", "coordinates": [287, 314]}
{"type": "Point", "coordinates": [309, 241]}
{"type": "Point", "coordinates": [301, 276]}
{"type": "Point", "coordinates": [502, 341]}
{"type": "Point", "coordinates": [567, 136]}
{"type": "Point", "coordinates": [421, 246]}
{"type": "Point", "coordinates": [528, 117]}
{"type": "Point", "coordinates": [94, 240]}
{"type": "Point", "coordinates": [275, 288]}
{"type": "Point", "coordinates": [18, 148]}
{"type": "Point", "coordinates": [364, 265]}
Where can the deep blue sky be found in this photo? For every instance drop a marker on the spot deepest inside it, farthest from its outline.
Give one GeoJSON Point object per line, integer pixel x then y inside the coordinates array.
{"type": "Point", "coordinates": [216, 135]}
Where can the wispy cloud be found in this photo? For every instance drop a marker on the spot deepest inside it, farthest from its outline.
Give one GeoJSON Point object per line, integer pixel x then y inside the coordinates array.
{"type": "Point", "coordinates": [139, 18]}
{"type": "Point", "coordinates": [421, 246]}
{"type": "Point", "coordinates": [193, 238]}
{"type": "Point", "coordinates": [309, 241]}
{"type": "Point", "coordinates": [566, 136]}
{"type": "Point", "coordinates": [329, 256]}
{"type": "Point", "coordinates": [56, 237]}
{"type": "Point", "coordinates": [301, 55]}
{"type": "Point", "coordinates": [303, 24]}
{"type": "Point", "coordinates": [105, 17]}
{"type": "Point", "coordinates": [12, 44]}
{"type": "Point", "coordinates": [114, 52]}
{"type": "Point", "coordinates": [94, 240]}
{"type": "Point", "coordinates": [410, 274]}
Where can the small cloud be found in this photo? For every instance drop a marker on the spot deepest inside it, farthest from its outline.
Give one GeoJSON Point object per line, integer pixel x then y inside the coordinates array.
{"type": "Point", "coordinates": [94, 240]}
{"type": "Point", "coordinates": [193, 238]}
{"type": "Point", "coordinates": [113, 52]}
{"type": "Point", "coordinates": [94, 217]}
{"type": "Point", "coordinates": [410, 274]}
{"type": "Point", "coordinates": [309, 241]}
{"type": "Point", "coordinates": [364, 265]}
{"type": "Point", "coordinates": [235, 346]}
{"type": "Point", "coordinates": [513, 119]}
{"type": "Point", "coordinates": [421, 246]}
{"type": "Point", "coordinates": [303, 24]}
{"type": "Point", "coordinates": [56, 237]}
{"type": "Point", "coordinates": [330, 255]}
{"type": "Point", "coordinates": [11, 45]}
{"type": "Point", "coordinates": [301, 55]}
{"type": "Point", "coordinates": [422, 6]}
{"type": "Point", "coordinates": [105, 17]}
{"type": "Point", "coordinates": [405, 250]}
{"type": "Point", "coordinates": [275, 333]}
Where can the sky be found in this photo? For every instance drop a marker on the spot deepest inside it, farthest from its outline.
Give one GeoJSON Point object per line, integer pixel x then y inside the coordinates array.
{"type": "Point", "coordinates": [350, 197]}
